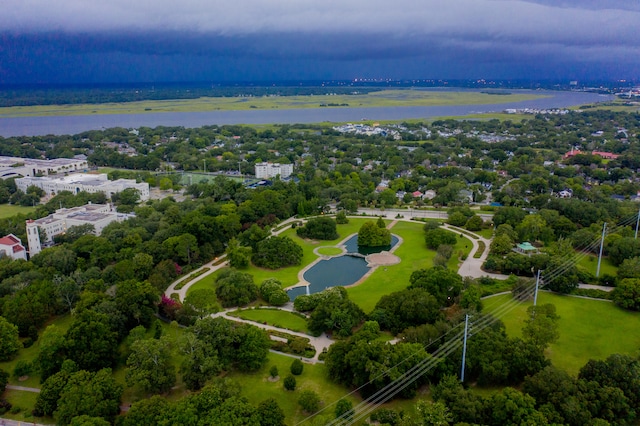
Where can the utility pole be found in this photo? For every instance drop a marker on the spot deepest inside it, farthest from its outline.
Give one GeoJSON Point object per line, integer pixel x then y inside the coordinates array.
{"type": "Point", "coordinates": [604, 228]}
{"type": "Point", "coordinates": [637, 223]}
{"type": "Point", "coordinates": [464, 347]}
{"type": "Point", "coordinates": [535, 295]}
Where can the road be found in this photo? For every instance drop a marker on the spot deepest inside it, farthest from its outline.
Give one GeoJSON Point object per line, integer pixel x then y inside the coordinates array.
{"type": "Point", "coordinates": [410, 213]}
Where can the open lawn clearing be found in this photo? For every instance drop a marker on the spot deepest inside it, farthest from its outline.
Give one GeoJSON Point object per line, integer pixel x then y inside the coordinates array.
{"type": "Point", "coordinates": [257, 387]}
{"type": "Point", "coordinates": [388, 98]}
{"type": "Point", "coordinates": [330, 251]}
{"type": "Point", "coordinates": [29, 354]}
{"type": "Point", "coordinates": [589, 329]}
{"type": "Point", "coordinates": [8, 210]}
{"type": "Point", "coordinates": [274, 317]}
{"type": "Point", "coordinates": [387, 279]}
{"type": "Point", "coordinates": [25, 401]}
{"type": "Point", "coordinates": [486, 232]}
{"type": "Point", "coordinates": [590, 264]}
{"type": "Point", "coordinates": [289, 275]}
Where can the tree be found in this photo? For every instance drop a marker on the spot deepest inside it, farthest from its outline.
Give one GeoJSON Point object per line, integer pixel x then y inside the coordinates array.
{"type": "Point", "coordinates": [474, 223]}
{"type": "Point", "coordinates": [90, 341]}
{"type": "Point", "coordinates": [501, 244]}
{"type": "Point", "coordinates": [430, 414]}
{"type": "Point", "coordinates": [92, 394]}
{"type": "Point", "coordinates": [149, 366]}
{"type": "Point", "coordinates": [9, 342]}
{"type": "Point", "coordinates": [276, 252]}
{"type": "Point", "coordinates": [51, 355]}
{"type": "Point", "coordinates": [270, 413]}
{"type": "Point", "coordinates": [319, 228]}
{"type": "Point", "coordinates": [344, 411]}
{"type": "Point", "coordinates": [290, 383]}
{"type": "Point", "coordinates": [273, 371]}
{"type": "Point", "coordinates": [630, 268]}
{"type": "Point", "coordinates": [445, 285]}
{"type": "Point", "coordinates": [296, 367]}
{"type": "Point", "coordinates": [531, 227]}
{"type": "Point", "coordinates": [271, 292]}
{"type": "Point", "coordinates": [235, 288]}
{"type": "Point", "coordinates": [151, 411]}
{"type": "Point", "coordinates": [457, 219]}
{"type": "Point", "coordinates": [238, 255]}
{"type": "Point", "coordinates": [341, 218]}
{"type": "Point", "coordinates": [541, 328]}
{"type": "Point", "coordinates": [203, 301]}
{"type": "Point", "coordinates": [627, 294]}
{"type": "Point", "coordinates": [510, 406]}
{"type": "Point", "coordinates": [402, 309]}
{"type": "Point", "coordinates": [200, 363]}
{"type": "Point", "coordinates": [309, 401]}
{"type": "Point", "coordinates": [85, 420]}
{"type": "Point", "coordinates": [434, 238]}
{"type": "Point", "coordinates": [138, 301]}
{"type": "Point", "coordinates": [371, 235]}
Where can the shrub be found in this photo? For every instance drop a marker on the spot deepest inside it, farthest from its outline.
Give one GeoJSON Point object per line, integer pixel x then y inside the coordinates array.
{"type": "Point", "coordinates": [290, 383]}
{"type": "Point", "coordinates": [297, 367]}
{"type": "Point", "coordinates": [273, 371]}
{"type": "Point", "coordinates": [309, 401]}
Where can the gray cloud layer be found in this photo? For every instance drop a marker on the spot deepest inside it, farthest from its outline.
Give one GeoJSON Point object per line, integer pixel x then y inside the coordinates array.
{"type": "Point", "coordinates": [516, 33]}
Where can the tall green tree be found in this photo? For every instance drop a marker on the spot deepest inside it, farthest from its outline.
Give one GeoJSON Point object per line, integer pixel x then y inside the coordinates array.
{"type": "Point", "coordinates": [9, 342]}
{"type": "Point", "coordinates": [150, 366]}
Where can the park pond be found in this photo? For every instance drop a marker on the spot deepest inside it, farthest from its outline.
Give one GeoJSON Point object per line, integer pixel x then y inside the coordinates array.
{"type": "Point", "coordinates": [342, 270]}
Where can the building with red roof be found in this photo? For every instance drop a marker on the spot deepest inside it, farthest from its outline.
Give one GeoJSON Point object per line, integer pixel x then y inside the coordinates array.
{"type": "Point", "coordinates": [12, 247]}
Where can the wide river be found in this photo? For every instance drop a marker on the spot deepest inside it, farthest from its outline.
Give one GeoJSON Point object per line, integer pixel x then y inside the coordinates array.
{"type": "Point", "coordinates": [61, 125]}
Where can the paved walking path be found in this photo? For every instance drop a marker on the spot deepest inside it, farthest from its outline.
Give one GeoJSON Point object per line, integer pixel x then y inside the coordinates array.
{"type": "Point", "coordinates": [23, 388]}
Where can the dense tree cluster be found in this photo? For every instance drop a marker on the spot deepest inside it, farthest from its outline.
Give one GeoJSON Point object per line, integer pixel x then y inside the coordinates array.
{"type": "Point", "coordinates": [331, 311]}
{"type": "Point", "coordinates": [372, 234]}
{"type": "Point", "coordinates": [276, 252]}
{"type": "Point", "coordinates": [319, 228]}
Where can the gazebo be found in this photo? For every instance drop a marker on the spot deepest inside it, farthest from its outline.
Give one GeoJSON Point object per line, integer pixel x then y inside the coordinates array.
{"type": "Point", "coordinates": [526, 248]}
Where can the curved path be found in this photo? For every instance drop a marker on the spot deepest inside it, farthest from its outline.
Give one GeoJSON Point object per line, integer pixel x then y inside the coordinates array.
{"type": "Point", "coordinates": [470, 267]}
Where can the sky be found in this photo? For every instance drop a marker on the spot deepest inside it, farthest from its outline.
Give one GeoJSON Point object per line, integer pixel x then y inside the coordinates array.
{"type": "Point", "coordinates": [118, 41]}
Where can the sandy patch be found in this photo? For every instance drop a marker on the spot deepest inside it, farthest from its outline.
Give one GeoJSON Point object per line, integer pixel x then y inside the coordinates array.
{"type": "Point", "coordinates": [382, 259]}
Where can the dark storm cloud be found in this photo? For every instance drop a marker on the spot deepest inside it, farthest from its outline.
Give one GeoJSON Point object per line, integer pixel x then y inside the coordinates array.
{"type": "Point", "coordinates": [444, 32]}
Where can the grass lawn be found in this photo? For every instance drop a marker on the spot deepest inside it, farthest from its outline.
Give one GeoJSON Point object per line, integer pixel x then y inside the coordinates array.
{"type": "Point", "coordinates": [289, 275]}
{"type": "Point", "coordinates": [29, 354]}
{"type": "Point", "coordinates": [463, 247]}
{"type": "Point", "coordinates": [414, 255]}
{"type": "Point", "coordinates": [330, 251]}
{"type": "Point", "coordinates": [274, 317]}
{"type": "Point", "coordinates": [589, 329]}
{"type": "Point", "coordinates": [25, 401]}
{"type": "Point", "coordinates": [487, 233]}
{"type": "Point", "coordinates": [590, 264]}
{"type": "Point", "coordinates": [8, 210]}
{"type": "Point", "coordinates": [256, 387]}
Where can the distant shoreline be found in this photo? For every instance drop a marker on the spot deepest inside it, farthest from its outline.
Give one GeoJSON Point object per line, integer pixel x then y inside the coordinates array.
{"type": "Point", "coordinates": [74, 124]}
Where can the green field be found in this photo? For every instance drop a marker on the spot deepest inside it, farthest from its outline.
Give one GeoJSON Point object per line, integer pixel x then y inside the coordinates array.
{"type": "Point", "coordinates": [413, 254]}
{"type": "Point", "coordinates": [274, 317]}
{"type": "Point", "coordinates": [589, 329]}
{"type": "Point", "coordinates": [8, 210]}
{"type": "Point", "coordinates": [256, 387]}
{"type": "Point", "coordinates": [383, 98]}
{"type": "Point", "coordinates": [590, 264]}
{"type": "Point", "coordinates": [330, 251]}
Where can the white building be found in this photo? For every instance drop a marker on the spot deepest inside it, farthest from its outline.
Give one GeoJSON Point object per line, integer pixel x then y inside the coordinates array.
{"type": "Point", "coordinates": [83, 182]}
{"type": "Point", "coordinates": [271, 170]}
{"type": "Point", "coordinates": [98, 215]}
{"type": "Point", "coordinates": [17, 167]}
{"type": "Point", "coordinates": [12, 247]}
